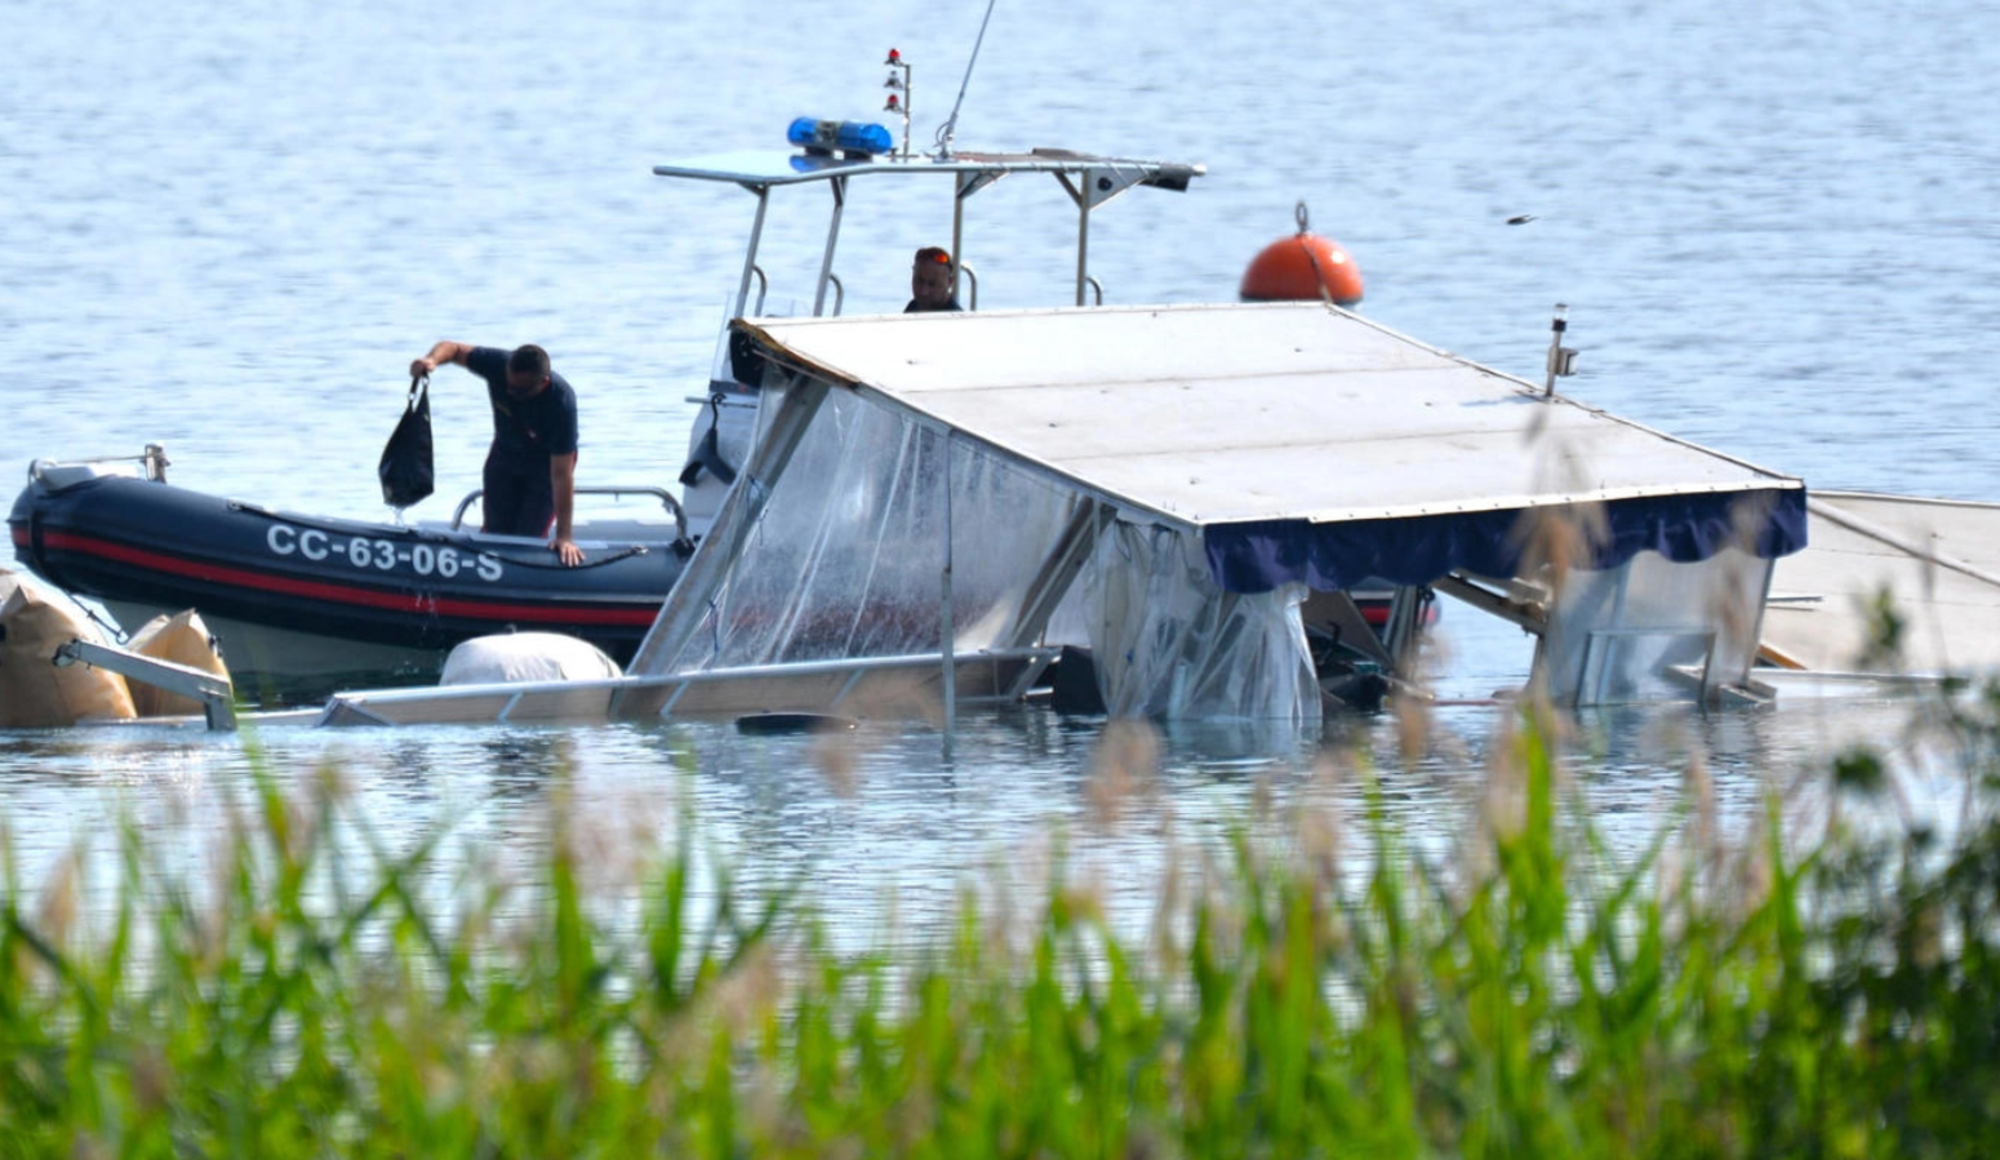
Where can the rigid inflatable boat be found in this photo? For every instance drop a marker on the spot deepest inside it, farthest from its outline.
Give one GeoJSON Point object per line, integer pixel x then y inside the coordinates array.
{"type": "Point", "coordinates": [302, 602]}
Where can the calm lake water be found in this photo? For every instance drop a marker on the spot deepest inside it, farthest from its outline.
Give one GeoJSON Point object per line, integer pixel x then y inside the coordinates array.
{"type": "Point", "coordinates": [229, 229]}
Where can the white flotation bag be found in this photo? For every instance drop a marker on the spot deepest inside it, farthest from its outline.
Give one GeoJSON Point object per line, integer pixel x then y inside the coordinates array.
{"type": "Point", "coordinates": [509, 658]}
{"type": "Point", "coordinates": [34, 692]}
{"type": "Point", "coordinates": [184, 640]}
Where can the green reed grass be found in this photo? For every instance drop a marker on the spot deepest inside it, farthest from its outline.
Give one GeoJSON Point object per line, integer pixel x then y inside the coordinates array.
{"type": "Point", "coordinates": [1335, 994]}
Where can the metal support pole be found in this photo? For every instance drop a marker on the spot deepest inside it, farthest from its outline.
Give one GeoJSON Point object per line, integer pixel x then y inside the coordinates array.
{"type": "Point", "coordinates": [750, 257]}
{"type": "Point", "coordinates": [839, 187]}
{"type": "Point", "coordinates": [957, 236]}
{"type": "Point", "coordinates": [1400, 636]}
{"type": "Point", "coordinates": [949, 635]}
{"type": "Point", "coordinates": [1082, 242]}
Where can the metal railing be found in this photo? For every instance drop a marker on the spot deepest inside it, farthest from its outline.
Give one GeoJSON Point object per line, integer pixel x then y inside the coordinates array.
{"type": "Point", "coordinates": [665, 497]}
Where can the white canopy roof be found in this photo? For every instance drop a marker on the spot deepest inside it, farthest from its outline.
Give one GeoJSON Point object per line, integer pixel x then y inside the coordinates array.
{"type": "Point", "coordinates": [1215, 414]}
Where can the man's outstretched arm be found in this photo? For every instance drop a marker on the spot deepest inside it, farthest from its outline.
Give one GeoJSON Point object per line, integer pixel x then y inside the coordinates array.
{"type": "Point", "coordinates": [446, 351]}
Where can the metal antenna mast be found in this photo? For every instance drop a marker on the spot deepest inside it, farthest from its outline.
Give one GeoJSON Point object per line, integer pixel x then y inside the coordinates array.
{"type": "Point", "coordinates": [951, 123]}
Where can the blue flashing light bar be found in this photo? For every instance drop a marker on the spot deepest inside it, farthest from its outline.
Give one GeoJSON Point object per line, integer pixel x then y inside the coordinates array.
{"type": "Point", "coordinates": [816, 136]}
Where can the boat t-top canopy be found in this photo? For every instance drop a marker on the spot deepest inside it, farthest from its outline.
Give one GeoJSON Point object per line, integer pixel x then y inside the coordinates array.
{"type": "Point", "coordinates": [1089, 180]}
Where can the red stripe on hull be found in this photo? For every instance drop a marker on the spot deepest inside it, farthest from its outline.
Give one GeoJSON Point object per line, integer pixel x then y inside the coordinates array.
{"type": "Point", "coordinates": [340, 593]}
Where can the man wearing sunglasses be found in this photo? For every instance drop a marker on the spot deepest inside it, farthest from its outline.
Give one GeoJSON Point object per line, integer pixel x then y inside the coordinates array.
{"type": "Point", "coordinates": [530, 473]}
{"type": "Point", "coordinates": [931, 280]}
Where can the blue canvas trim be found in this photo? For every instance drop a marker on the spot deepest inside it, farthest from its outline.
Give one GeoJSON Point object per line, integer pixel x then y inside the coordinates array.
{"type": "Point", "coordinates": [1259, 555]}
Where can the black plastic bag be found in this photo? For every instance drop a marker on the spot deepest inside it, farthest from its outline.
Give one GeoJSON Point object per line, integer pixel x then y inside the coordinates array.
{"type": "Point", "coordinates": [406, 471]}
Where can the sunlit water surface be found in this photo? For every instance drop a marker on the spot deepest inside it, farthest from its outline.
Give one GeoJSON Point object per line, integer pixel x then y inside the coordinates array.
{"type": "Point", "coordinates": [230, 229]}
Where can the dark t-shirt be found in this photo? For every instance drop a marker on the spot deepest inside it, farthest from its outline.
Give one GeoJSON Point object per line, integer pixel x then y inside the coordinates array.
{"type": "Point", "coordinates": [913, 308]}
{"type": "Point", "coordinates": [528, 431]}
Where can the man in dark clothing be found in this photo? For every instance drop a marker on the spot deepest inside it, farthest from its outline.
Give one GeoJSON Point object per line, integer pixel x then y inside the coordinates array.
{"type": "Point", "coordinates": [931, 282]}
{"type": "Point", "coordinates": [531, 467]}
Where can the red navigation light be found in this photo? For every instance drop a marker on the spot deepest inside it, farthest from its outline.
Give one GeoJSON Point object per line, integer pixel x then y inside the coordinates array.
{"type": "Point", "coordinates": [894, 57]}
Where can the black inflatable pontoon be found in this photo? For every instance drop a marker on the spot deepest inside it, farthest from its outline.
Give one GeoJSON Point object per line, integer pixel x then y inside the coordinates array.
{"type": "Point", "coordinates": [299, 600]}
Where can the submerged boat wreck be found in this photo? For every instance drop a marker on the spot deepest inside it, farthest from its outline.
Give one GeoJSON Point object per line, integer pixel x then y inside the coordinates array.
{"type": "Point", "coordinates": [1203, 511]}
{"type": "Point", "coordinates": [936, 504]}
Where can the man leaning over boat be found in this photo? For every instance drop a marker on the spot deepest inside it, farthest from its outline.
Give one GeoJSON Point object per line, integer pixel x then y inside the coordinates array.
{"type": "Point", "coordinates": [530, 475]}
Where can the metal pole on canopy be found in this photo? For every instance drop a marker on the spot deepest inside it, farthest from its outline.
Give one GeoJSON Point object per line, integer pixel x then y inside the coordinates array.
{"type": "Point", "coordinates": [763, 193]}
{"type": "Point", "coordinates": [957, 234]}
{"type": "Point", "coordinates": [1082, 242]}
{"type": "Point", "coordinates": [948, 634]}
{"type": "Point", "coordinates": [839, 187]}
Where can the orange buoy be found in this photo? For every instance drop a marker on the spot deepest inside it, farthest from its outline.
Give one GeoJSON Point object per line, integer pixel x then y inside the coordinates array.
{"type": "Point", "coordinates": [1303, 266]}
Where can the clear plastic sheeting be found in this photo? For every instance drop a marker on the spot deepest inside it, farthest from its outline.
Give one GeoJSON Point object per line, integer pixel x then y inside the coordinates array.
{"type": "Point", "coordinates": [848, 559]}
{"type": "Point", "coordinates": [1655, 630]}
{"type": "Point", "coordinates": [722, 435]}
{"type": "Point", "coordinates": [1168, 642]}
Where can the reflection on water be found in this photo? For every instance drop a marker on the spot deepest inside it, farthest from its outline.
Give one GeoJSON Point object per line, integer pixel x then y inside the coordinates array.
{"type": "Point", "coordinates": [524, 765]}
{"type": "Point", "coordinates": [874, 822]}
